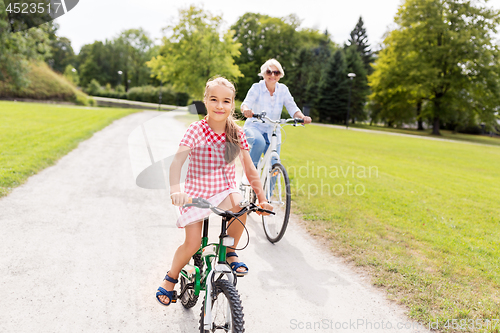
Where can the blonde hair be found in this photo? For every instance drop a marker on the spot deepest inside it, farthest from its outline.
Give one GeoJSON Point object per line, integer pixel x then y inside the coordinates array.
{"type": "Point", "coordinates": [232, 146]}
{"type": "Point", "coordinates": [267, 65]}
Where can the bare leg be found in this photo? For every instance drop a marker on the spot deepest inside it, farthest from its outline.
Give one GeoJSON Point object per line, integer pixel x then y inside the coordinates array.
{"type": "Point", "coordinates": [183, 254]}
{"type": "Point", "coordinates": [235, 228]}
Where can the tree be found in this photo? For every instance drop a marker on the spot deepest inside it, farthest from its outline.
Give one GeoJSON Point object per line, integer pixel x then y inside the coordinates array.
{"type": "Point", "coordinates": [263, 37]}
{"type": "Point", "coordinates": [18, 48]}
{"type": "Point", "coordinates": [359, 89]}
{"type": "Point", "coordinates": [62, 54]}
{"type": "Point", "coordinates": [359, 39]}
{"type": "Point", "coordinates": [196, 50]}
{"type": "Point", "coordinates": [98, 61]}
{"type": "Point", "coordinates": [135, 48]}
{"type": "Point", "coordinates": [126, 53]}
{"type": "Point", "coordinates": [307, 66]}
{"type": "Point", "coordinates": [444, 53]}
{"type": "Point", "coordinates": [394, 97]}
{"type": "Point", "coordinates": [333, 90]}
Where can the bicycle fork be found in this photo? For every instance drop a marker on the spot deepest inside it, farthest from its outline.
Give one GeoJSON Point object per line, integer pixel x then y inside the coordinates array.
{"type": "Point", "coordinates": [220, 268]}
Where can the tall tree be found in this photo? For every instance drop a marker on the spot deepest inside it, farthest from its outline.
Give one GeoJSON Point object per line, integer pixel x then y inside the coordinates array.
{"type": "Point", "coordinates": [304, 73]}
{"type": "Point", "coordinates": [394, 96]}
{"type": "Point", "coordinates": [135, 48]}
{"type": "Point", "coordinates": [445, 51]}
{"type": "Point", "coordinates": [263, 37]}
{"type": "Point", "coordinates": [359, 38]}
{"type": "Point", "coordinates": [333, 90]}
{"type": "Point", "coordinates": [197, 49]}
{"type": "Point", "coordinates": [359, 85]}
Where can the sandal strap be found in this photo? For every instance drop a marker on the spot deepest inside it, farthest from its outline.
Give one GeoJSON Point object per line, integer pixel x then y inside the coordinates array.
{"type": "Point", "coordinates": [169, 279]}
{"type": "Point", "coordinates": [235, 265]}
{"type": "Point", "coordinates": [172, 295]}
{"type": "Point", "coordinates": [231, 254]}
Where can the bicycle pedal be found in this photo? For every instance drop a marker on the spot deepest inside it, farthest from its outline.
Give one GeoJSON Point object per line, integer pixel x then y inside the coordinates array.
{"type": "Point", "coordinates": [174, 297]}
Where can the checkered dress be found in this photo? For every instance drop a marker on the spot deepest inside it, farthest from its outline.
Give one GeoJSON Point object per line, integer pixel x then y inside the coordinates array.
{"type": "Point", "coordinates": [208, 176]}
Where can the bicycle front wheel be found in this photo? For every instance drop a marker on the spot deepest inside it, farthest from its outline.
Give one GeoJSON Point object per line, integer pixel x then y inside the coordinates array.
{"type": "Point", "coordinates": [227, 312]}
{"type": "Point", "coordinates": [278, 194]}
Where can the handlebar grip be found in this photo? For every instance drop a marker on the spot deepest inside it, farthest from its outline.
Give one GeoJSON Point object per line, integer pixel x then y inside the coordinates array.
{"type": "Point", "coordinates": [267, 211]}
{"type": "Point", "coordinates": [299, 120]}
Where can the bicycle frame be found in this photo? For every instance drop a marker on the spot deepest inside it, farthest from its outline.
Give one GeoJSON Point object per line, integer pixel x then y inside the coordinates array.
{"type": "Point", "coordinates": [264, 166]}
{"type": "Point", "coordinates": [214, 257]}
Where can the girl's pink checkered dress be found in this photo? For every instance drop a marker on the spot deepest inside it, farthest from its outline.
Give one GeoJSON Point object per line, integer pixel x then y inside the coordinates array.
{"type": "Point", "coordinates": [208, 176]}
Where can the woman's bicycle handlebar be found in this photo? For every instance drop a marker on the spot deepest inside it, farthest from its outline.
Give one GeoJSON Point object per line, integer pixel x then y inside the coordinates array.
{"type": "Point", "coordinates": [246, 207]}
{"type": "Point", "coordinates": [262, 116]}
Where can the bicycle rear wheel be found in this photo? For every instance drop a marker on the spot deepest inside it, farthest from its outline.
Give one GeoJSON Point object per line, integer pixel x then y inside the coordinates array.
{"type": "Point", "coordinates": [227, 312]}
{"type": "Point", "coordinates": [278, 194]}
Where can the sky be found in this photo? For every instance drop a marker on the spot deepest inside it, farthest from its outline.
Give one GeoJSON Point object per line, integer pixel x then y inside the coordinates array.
{"type": "Point", "coordinates": [93, 20]}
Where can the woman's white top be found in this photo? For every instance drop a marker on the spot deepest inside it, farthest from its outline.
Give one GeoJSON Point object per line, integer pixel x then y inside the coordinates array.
{"type": "Point", "coordinates": [259, 99]}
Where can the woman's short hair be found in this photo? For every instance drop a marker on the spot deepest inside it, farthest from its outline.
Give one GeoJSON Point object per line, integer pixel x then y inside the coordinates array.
{"type": "Point", "coordinates": [267, 66]}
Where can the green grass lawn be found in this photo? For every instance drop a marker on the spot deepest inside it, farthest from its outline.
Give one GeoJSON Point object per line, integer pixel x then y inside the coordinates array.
{"type": "Point", "coordinates": [34, 136]}
{"type": "Point", "coordinates": [449, 135]}
{"type": "Point", "coordinates": [422, 216]}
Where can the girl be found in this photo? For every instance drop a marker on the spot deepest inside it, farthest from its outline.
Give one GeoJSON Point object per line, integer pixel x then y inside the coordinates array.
{"type": "Point", "coordinates": [212, 145]}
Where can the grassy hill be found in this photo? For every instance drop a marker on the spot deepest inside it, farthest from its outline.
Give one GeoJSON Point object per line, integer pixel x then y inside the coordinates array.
{"type": "Point", "coordinates": [45, 84]}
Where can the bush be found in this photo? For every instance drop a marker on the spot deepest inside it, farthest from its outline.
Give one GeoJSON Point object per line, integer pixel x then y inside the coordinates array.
{"type": "Point", "coordinates": [94, 88]}
{"type": "Point", "coordinates": [148, 94]}
{"type": "Point", "coordinates": [83, 99]}
{"type": "Point", "coordinates": [151, 94]}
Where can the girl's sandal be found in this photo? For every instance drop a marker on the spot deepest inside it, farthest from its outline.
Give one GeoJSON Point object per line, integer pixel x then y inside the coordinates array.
{"type": "Point", "coordinates": [172, 295]}
{"type": "Point", "coordinates": [235, 265]}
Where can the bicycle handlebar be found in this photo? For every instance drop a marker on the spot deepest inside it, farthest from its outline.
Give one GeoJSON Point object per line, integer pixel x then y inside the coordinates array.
{"type": "Point", "coordinates": [246, 207]}
{"type": "Point", "coordinates": [262, 116]}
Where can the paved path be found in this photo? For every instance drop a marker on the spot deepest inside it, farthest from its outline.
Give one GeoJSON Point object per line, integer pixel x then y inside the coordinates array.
{"type": "Point", "coordinates": [83, 249]}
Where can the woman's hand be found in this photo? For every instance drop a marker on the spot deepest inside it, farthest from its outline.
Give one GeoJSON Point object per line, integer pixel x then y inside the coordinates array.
{"type": "Point", "coordinates": [307, 120]}
{"type": "Point", "coordinates": [179, 198]}
{"type": "Point", "coordinates": [248, 113]}
{"type": "Point", "coordinates": [265, 205]}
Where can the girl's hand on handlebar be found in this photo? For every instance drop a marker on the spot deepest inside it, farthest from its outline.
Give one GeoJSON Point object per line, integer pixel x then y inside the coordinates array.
{"type": "Point", "coordinates": [179, 198]}
{"type": "Point", "coordinates": [307, 120]}
{"type": "Point", "coordinates": [265, 205]}
{"type": "Point", "coordinates": [248, 113]}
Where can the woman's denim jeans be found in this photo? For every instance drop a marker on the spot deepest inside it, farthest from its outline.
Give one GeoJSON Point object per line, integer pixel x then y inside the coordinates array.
{"type": "Point", "coordinates": [258, 145]}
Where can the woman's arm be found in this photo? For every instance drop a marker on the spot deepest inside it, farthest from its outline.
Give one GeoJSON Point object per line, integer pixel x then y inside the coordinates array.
{"type": "Point", "coordinates": [178, 197]}
{"type": "Point", "coordinates": [249, 101]}
{"type": "Point", "coordinates": [299, 114]}
{"type": "Point", "coordinates": [292, 107]}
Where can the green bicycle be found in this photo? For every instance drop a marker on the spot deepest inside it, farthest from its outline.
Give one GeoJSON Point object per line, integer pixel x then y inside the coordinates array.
{"type": "Point", "coordinates": [209, 271]}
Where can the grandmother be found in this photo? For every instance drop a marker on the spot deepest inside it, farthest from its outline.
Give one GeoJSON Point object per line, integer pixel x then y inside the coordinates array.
{"type": "Point", "coordinates": [270, 96]}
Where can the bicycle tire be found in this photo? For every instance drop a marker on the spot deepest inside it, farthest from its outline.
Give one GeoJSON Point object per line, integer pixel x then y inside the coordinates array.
{"type": "Point", "coordinates": [189, 299]}
{"type": "Point", "coordinates": [275, 225]}
{"type": "Point", "coordinates": [227, 295]}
